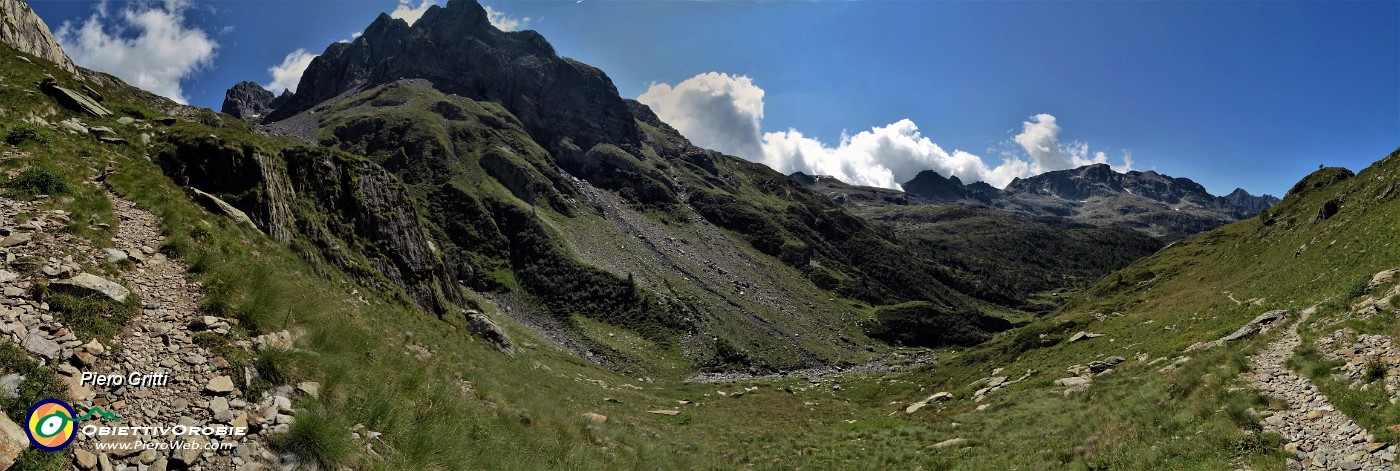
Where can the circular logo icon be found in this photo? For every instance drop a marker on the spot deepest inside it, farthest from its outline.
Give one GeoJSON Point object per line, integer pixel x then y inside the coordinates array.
{"type": "Point", "coordinates": [50, 425]}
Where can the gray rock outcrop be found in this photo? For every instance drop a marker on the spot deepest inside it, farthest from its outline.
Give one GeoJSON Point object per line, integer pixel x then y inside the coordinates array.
{"type": "Point", "coordinates": [486, 329]}
{"type": "Point", "coordinates": [1262, 323]}
{"type": "Point", "coordinates": [216, 203]}
{"type": "Point", "coordinates": [73, 100]}
{"type": "Point", "coordinates": [23, 30]}
{"type": "Point", "coordinates": [13, 441]}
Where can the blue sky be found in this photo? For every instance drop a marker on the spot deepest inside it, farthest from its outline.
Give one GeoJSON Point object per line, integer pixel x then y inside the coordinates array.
{"type": "Point", "coordinates": [1230, 94]}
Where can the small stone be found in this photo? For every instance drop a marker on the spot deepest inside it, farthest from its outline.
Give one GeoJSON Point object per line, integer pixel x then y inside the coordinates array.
{"type": "Point", "coordinates": [191, 455]}
{"type": "Point", "coordinates": [114, 255]}
{"type": "Point", "coordinates": [665, 412]}
{"type": "Point", "coordinates": [9, 384]}
{"type": "Point", "coordinates": [84, 358]}
{"type": "Point", "coordinates": [218, 405]}
{"type": "Point", "coordinates": [18, 238]}
{"type": "Point", "coordinates": [596, 418]}
{"type": "Point", "coordinates": [221, 385]}
{"type": "Point", "coordinates": [310, 388]}
{"type": "Point", "coordinates": [41, 346]}
{"type": "Point", "coordinates": [84, 459]}
{"type": "Point", "coordinates": [951, 443]}
{"type": "Point", "coordinates": [146, 457]}
{"type": "Point", "coordinates": [282, 403]}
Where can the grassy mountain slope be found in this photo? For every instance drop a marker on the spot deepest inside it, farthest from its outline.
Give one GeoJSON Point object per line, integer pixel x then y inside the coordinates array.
{"type": "Point", "coordinates": [1145, 414]}
{"type": "Point", "coordinates": [760, 291]}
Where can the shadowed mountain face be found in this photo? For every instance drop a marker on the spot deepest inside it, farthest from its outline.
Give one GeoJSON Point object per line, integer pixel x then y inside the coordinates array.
{"type": "Point", "coordinates": [1156, 204]}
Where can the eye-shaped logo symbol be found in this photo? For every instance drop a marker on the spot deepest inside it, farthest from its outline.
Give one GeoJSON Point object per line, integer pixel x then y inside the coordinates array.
{"type": "Point", "coordinates": [50, 425]}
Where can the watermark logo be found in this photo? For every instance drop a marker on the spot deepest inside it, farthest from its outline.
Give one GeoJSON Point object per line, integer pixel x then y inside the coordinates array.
{"type": "Point", "coordinates": [51, 423]}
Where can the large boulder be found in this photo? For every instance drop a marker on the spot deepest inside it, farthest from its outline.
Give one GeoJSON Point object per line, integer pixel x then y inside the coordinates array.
{"type": "Point", "coordinates": [73, 100]}
{"type": "Point", "coordinates": [218, 204]}
{"type": "Point", "coordinates": [483, 327]}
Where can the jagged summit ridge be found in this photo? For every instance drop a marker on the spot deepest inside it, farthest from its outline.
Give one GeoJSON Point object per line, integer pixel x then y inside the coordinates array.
{"type": "Point", "coordinates": [459, 52]}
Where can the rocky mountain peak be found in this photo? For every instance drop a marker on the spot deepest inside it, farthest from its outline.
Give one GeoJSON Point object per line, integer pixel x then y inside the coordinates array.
{"type": "Point", "coordinates": [249, 101]}
{"type": "Point", "coordinates": [564, 104]}
{"type": "Point", "coordinates": [930, 184]}
{"type": "Point", "coordinates": [23, 30]}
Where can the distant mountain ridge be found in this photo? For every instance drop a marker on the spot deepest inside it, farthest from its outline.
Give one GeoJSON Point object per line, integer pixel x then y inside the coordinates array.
{"type": "Point", "coordinates": [1157, 204]}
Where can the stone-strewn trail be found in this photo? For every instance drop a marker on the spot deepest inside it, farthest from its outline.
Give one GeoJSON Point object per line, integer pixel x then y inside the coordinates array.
{"type": "Point", "coordinates": [1316, 434]}
{"type": "Point", "coordinates": [202, 388]}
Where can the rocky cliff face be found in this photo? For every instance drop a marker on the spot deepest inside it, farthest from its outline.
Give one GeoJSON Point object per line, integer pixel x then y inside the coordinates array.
{"type": "Point", "coordinates": [23, 30]}
{"type": "Point", "coordinates": [349, 211]}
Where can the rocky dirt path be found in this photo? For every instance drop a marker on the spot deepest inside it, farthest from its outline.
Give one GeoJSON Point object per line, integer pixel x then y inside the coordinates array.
{"type": "Point", "coordinates": [200, 389]}
{"type": "Point", "coordinates": [1315, 433]}
{"type": "Point", "coordinates": [167, 377]}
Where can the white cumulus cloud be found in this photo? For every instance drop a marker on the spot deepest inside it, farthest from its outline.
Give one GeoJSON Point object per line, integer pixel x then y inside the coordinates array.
{"type": "Point", "coordinates": [411, 14]}
{"type": "Point", "coordinates": [146, 44]}
{"type": "Point", "coordinates": [725, 112]}
{"type": "Point", "coordinates": [503, 21]}
{"type": "Point", "coordinates": [714, 110]}
{"type": "Point", "coordinates": [1040, 139]}
{"type": "Point", "coordinates": [287, 75]}
{"type": "Point", "coordinates": [885, 156]}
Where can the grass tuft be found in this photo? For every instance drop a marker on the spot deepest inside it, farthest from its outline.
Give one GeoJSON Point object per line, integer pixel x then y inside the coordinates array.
{"type": "Point", "coordinates": [28, 132]}
{"type": "Point", "coordinates": [318, 436]}
{"type": "Point", "coordinates": [40, 181]}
